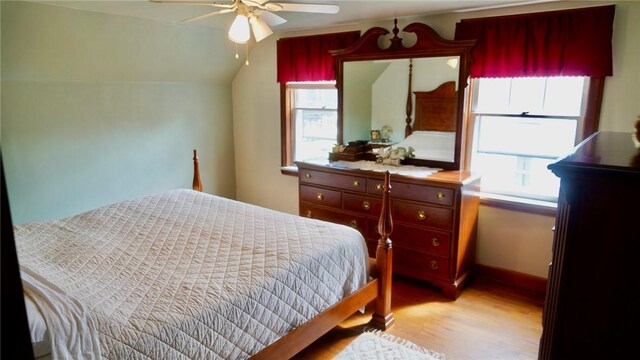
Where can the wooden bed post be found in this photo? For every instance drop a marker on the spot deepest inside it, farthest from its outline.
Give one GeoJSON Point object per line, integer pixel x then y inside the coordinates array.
{"type": "Point", "coordinates": [197, 183]}
{"type": "Point", "coordinates": [382, 315]}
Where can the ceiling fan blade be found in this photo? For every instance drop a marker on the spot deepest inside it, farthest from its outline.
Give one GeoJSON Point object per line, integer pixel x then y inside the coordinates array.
{"type": "Point", "coordinates": [260, 29]}
{"type": "Point", "coordinates": [200, 3]}
{"type": "Point", "coordinates": [223, 11]}
{"type": "Point", "coordinates": [310, 8]}
{"type": "Point", "coordinates": [256, 3]}
{"type": "Point", "coordinates": [270, 18]}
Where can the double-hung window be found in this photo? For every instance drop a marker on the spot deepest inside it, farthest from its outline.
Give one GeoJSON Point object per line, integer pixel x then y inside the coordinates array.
{"type": "Point", "coordinates": [311, 120]}
{"type": "Point", "coordinates": [537, 86]}
{"type": "Point", "coordinates": [520, 126]}
{"type": "Point", "coordinates": [308, 95]}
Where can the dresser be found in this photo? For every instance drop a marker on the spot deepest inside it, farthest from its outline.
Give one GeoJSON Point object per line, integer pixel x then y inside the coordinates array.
{"type": "Point", "coordinates": [592, 305]}
{"type": "Point", "coordinates": [435, 217]}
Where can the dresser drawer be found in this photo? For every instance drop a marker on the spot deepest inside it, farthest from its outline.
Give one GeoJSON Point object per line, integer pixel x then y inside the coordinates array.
{"type": "Point", "coordinates": [345, 182]}
{"type": "Point", "coordinates": [320, 196]}
{"type": "Point", "coordinates": [355, 221]}
{"type": "Point", "coordinates": [422, 215]}
{"type": "Point", "coordinates": [418, 265]}
{"type": "Point", "coordinates": [423, 240]}
{"type": "Point", "coordinates": [362, 204]}
{"type": "Point", "coordinates": [431, 194]}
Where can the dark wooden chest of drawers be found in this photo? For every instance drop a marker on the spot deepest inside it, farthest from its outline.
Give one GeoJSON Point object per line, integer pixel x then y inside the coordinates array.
{"type": "Point", "coordinates": [592, 307]}
{"type": "Point", "coordinates": [435, 218]}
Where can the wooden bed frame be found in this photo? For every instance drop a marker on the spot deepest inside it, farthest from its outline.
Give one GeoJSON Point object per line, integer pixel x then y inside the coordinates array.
{"type": "Point", "coordinates": [378, 289]}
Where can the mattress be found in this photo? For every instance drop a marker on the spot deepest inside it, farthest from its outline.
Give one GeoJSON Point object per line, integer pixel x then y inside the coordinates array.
{"type": "Point", "coordinates": [183, 275]}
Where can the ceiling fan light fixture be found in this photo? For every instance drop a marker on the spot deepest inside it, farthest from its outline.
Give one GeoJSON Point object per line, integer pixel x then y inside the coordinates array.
{"type": "Point", "coordinates": [239, 32]}
{"type": "Point", "coordinates": [260, 28]}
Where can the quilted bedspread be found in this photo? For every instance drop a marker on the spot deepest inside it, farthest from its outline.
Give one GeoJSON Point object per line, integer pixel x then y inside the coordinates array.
{"type": "Point", "coordinates": [187, 275]}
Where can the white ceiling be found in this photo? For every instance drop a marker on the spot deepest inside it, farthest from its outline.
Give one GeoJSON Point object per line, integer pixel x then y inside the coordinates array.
{"type": "Point", "coordinates": [351, 11]}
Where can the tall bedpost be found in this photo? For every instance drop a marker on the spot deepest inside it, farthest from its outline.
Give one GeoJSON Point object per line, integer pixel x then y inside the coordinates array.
{"type": "Point", "coordinates": [197, 183]}
{"type": "Point", "coordinates": [382, 315]}
{"type": "Point", "coordinates": [407, 129]}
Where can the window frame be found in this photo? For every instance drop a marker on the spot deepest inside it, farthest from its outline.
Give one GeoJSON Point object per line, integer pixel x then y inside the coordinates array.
{"type": "Point", "coordinates": [287, 126]}
{"type": "Point", "coordinates": [587, 124]}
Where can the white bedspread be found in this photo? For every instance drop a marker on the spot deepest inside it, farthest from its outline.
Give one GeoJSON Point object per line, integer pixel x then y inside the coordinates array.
{"type": "Point", "coordinates": [185, 275]}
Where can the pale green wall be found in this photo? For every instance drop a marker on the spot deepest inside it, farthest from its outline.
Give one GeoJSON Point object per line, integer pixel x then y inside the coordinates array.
{"type": "Point", "coordinates": [99, 108]}
{"type": "Point", "coordinates": [356, 89]}
{"type": "Point", "coordinates": [511, 240]}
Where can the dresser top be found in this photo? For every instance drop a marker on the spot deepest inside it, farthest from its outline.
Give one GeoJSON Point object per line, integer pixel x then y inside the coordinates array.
{"type": "Point", "coordinates": [460, 177]}
{"type": "Point", "coordinates": [612, 152]}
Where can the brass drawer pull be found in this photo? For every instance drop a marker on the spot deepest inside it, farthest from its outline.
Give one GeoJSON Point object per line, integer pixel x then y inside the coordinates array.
{"type": "Point", "coordinates": [307, 176]}
{"type": "Point", "coordinates": [320, 196]}
{"type": "Point", "coordinates": [422, 215]}
{"type": "Point", "coordinates": [356, 183]}
{"type": "Point", "coordinates": [433, 265]}
{"type": "Point", "coordinates": [366, 205]}
{"type": "Point", "coordinates": [309, 214]}
{"type": "Point", "coordinates": [353, 224]}
{"type": "Point", "coordinates": [440, 195]}
{"type": "Point", "coordinates": [379, 187]}
{"type": "Point", "coordinates": [435, 241]}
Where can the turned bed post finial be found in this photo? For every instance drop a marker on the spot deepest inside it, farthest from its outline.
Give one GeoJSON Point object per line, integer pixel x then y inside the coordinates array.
{"type": "Point", "coordinates": [409, 110]}
{"type": "Point", "coordinates": [197, 183]}
{"type": "Point", "coordinates": [382, 315]}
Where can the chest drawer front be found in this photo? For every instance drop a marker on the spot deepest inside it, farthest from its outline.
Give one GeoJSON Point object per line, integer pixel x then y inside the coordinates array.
{"type": "Point", "coordinates": [420, 265]}
{"type": "Point", "coordinates": [431, 194]}
{"type": "Point", "coordinates": [357, 222]}
{"type": "Point", "coordinates": [423, 240]}
{"type": "Point", "coordinates": [346, 182]}
{"type": "Point", "coordinates": [320, 196]}
{"type": "Point", "coordinates": [422, 215]}
{"type": "Point", "coordinates": [362, 204]}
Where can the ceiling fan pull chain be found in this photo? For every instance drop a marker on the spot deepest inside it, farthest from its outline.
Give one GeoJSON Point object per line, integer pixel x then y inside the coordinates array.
{"type": "Point", "coordinates": [246, 47]}
{"type": "Point", "coordinates": [237, 56]}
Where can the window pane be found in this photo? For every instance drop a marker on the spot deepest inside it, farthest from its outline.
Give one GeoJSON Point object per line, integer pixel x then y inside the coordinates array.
{"type": "Point", "coordinates": [527, 95]}
{"type": "Point", "coordinates": [517, 176]}
{"type": "Point", "coordinates": [564, 96]}
{"type": "Point", "coordinates": [525, 136]}
{"type": "Point", "coordinates": [316, 98]}
{"type": "Point", "coordinates": [316, 132]}
{"type": "Point", "coordinates": [493, 95]}
{"type": "Point", "coordinates": [535, 95]}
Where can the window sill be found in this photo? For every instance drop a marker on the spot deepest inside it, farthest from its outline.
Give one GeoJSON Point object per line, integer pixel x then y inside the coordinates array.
{"type": "Point", "coordinates": [519, 204]}
{"type": "Point", "coordinates": [289, 170]}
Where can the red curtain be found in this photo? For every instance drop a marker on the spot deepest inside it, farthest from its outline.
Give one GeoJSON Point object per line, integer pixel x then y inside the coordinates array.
{"type": "Point", "coordinates": [307, 58]}
{"type": "Point", "coordinates": [573, 42]}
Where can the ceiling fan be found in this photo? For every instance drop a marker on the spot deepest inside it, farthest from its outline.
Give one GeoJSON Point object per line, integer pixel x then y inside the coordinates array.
{"type": "Point", "coordinates": [257, 15]}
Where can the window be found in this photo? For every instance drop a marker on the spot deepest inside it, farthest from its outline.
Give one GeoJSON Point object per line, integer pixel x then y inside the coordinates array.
{"type": "Point", "coordinates": [311, 120]}
{"type": "Point", "coordinates": [520, 126]}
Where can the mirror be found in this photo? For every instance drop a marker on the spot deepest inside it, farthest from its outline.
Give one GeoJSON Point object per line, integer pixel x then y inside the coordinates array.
{"type": "Point", "coordinates": [412, 91]}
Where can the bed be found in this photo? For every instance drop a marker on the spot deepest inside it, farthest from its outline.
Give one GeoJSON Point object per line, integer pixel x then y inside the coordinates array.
{"type": "Point", "coordinates": [188, 275]}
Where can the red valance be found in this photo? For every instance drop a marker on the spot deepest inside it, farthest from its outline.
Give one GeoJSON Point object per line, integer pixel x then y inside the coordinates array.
{"type": "Point", "coordinates": [574, 42]}
{"type": "Point", "coordinates": [307, 58]}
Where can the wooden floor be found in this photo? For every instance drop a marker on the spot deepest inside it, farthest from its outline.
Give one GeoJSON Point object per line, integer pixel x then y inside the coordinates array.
{"type": "Point", "coordinates": [488, 321]}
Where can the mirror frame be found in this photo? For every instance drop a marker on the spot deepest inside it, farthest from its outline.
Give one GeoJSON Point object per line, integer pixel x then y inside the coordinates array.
{"type": "Point", "coordinates": [428, 44]}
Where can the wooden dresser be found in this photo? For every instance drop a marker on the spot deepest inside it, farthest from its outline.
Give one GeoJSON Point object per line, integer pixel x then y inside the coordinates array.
{"type": "Point", "coordinates": [592, 305]}
{"type": "Point", "coordinates": [435, 218]}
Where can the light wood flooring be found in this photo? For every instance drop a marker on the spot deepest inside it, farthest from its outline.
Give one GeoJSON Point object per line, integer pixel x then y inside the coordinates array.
{"type": "Point", "coordinates": [488, 321]}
